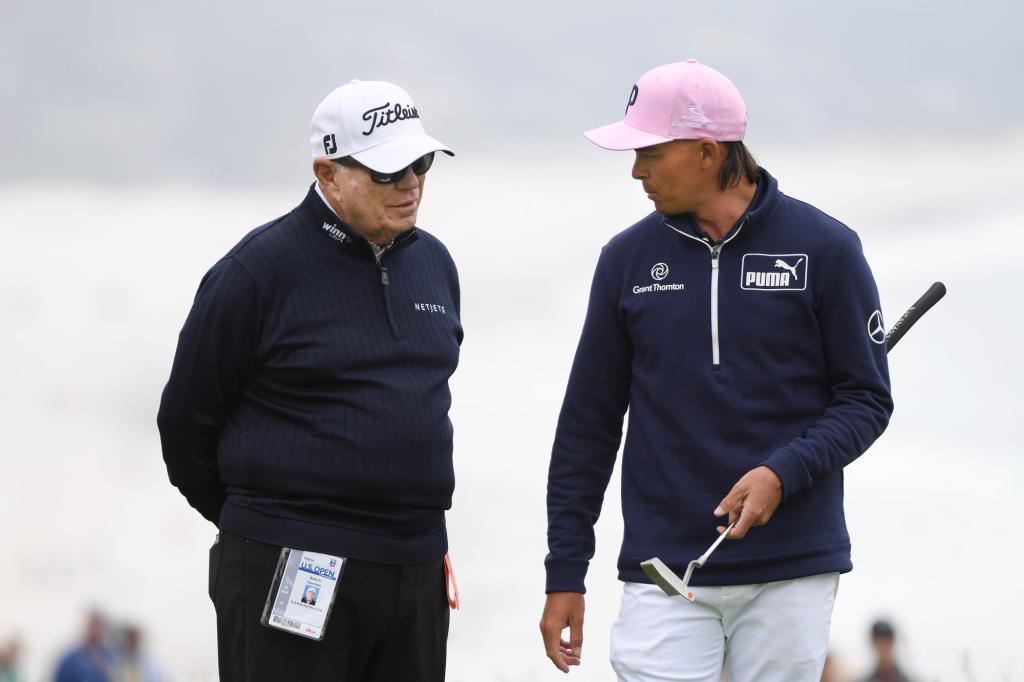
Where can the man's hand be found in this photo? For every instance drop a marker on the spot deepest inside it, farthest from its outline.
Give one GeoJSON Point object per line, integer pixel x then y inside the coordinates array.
{"type": "Point", "coordinates": [563, 610]}
{"type": "Point", "coordinates": [752, 500]}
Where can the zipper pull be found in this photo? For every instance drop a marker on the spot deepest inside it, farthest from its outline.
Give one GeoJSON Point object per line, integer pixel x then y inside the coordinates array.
{"type": "Point", "coordinates": [714, 255]}
{"type": "Point", "coordinates": [383, 274]}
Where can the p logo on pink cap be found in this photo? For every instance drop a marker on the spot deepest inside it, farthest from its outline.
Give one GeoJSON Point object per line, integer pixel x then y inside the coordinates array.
{"type": "Point", "coordinates": [632, 97]}
{"type": "Point", "coordinates": [679, 101]}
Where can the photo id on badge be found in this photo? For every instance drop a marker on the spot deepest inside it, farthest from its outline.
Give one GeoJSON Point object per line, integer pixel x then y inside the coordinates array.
{"type": "Point", "coordinates": [302, 592]}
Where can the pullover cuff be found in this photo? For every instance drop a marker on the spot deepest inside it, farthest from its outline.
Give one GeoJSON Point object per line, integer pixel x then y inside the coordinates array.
{"type": "Point", "coordinates": [566, 576]}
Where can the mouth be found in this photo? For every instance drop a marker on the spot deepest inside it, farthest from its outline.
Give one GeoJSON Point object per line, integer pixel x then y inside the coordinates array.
{"type": "Point", "coordinates": [406, 206]}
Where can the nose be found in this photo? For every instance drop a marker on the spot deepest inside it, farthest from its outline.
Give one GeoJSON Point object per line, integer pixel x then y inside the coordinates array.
{"type": "Point", "coordinates": [408, 180]}
{"type": "Point", "coordinates": [638, 172]}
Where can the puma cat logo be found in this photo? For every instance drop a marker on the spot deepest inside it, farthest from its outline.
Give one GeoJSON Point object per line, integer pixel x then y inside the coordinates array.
{"type": "Point", "coordinates": [786, 266]}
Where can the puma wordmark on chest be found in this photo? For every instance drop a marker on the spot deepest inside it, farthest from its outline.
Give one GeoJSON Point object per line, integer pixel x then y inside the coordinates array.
{"type": "Point", "coordinates": [774, 272]}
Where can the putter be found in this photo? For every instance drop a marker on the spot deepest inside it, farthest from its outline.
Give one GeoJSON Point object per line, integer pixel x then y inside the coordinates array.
{"type": "Point", "coordinates": [668, 581]}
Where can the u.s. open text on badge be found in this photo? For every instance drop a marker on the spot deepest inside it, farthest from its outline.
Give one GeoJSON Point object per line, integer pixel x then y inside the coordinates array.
{"type": "Point", "coordinates": [302, 592]}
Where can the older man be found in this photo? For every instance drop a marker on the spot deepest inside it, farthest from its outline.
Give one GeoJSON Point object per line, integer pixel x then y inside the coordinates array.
{"type": "Point", "coordinates": [307, 410]}
{"type": "Point", "coordinates": [741, 329]}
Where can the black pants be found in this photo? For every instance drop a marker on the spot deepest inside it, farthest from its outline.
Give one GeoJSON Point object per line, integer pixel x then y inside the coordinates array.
{"type": "Point", "coordinates": [389, 623]}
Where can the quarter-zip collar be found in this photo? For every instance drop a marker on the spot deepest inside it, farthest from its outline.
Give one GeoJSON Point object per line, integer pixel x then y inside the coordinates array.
{"type": "Point", "coordinates": [764, 203]}
{"type": "Point", "coordinates": [322, 218]}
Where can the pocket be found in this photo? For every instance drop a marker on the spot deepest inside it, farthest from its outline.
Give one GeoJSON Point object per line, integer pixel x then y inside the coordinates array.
{"type": "Point", "coordinates": [216, 550]}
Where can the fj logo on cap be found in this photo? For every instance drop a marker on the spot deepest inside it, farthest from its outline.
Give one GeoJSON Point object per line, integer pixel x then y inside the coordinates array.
{"type": "Point", "coordinates": [330, 144]}
{"type": "Point", "coordinates": [774, 272]}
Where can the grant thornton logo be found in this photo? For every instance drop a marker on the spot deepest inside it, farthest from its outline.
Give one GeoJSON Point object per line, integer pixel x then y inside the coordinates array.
{"type": "Point", "coordinates": [659, 272]}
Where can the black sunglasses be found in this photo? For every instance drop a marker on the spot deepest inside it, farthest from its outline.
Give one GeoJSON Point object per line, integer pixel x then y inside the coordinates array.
{"type": "Point", "coordinates": [419, 167]}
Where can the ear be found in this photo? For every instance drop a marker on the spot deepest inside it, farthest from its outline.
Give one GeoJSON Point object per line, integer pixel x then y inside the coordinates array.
{"type": "Point", "coordinates": [708, 153]}
{"type": "Point", "coordinates": [324, 170]}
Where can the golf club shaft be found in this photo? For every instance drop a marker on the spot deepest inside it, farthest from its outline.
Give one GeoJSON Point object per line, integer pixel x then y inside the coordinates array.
{"type": "Point", "coordinates": [717, 542]}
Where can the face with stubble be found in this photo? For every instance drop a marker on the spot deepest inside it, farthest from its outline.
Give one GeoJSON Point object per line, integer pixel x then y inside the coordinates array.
{"type": "Point", "coordinates": [677, 176]}
{"type": "Point", "coordinates": [378, 212]}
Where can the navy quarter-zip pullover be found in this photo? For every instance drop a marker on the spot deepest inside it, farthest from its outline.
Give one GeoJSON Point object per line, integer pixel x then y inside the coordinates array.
{"type": "Point", "coordinates": [308, 400]}
{"type": "Point", "coordinates": [763, 349]}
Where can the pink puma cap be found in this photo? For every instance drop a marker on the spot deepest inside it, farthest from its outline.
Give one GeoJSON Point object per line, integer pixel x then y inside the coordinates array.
{"type": "Point", "coordinates": [680, 101]}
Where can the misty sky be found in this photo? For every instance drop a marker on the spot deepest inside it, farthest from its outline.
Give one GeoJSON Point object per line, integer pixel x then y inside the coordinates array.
{"type": "Point", "coordinates": [193, 92]}
{"type": "Point", "coordinates": [191, 120]}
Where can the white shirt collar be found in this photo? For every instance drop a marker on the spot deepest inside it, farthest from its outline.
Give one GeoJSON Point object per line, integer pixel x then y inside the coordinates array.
{"type": "Point", "coordinates": [320, 193]}
{"type": "Point", "coordinates": [377, 250]}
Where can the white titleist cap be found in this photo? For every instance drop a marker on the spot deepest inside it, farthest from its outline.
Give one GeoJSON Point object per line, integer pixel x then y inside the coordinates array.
{"type": "Point", "coordinates": [374, 122]}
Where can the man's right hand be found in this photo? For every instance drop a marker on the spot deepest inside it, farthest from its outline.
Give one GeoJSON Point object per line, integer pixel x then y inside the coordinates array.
{"type": "Point", "coordinates": [563, 610]}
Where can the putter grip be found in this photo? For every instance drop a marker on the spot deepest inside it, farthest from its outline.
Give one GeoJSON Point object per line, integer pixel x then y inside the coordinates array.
{"type": "Point", "coordinates": [931, 297]}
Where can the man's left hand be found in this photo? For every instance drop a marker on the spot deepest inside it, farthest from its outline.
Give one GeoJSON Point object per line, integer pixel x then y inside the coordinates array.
{"type": "Point", "coordinates": [751, 502]}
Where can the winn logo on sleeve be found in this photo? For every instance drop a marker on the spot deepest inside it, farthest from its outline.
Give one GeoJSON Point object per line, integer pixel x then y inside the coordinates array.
{"type": "Point", "coordinates": [774, 272]}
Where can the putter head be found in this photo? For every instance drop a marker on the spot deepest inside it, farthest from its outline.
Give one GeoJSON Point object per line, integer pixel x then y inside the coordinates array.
{"type": "Point", "coordinates": [665, 578]}
{"type": "Point", "coordinates": [669, 582]}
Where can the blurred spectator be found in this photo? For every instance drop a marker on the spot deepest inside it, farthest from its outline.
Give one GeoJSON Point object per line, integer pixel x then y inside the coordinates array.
{"type": "Point", "coordinates": [9, 661]}
{"type": "Point", "coordinates": [883, 640]}
{"type": "Point", "coordinates": [91, 661]}
{"type": "Point", "coordinates": [134, 664]}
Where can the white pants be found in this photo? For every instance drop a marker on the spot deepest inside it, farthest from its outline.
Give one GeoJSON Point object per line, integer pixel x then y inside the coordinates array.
{"type": "Point", "coordinates": [761, 633]}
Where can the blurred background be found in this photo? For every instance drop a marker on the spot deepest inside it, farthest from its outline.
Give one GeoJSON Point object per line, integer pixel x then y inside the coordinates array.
{"type": "Point", "coordinates": [141, 140]}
